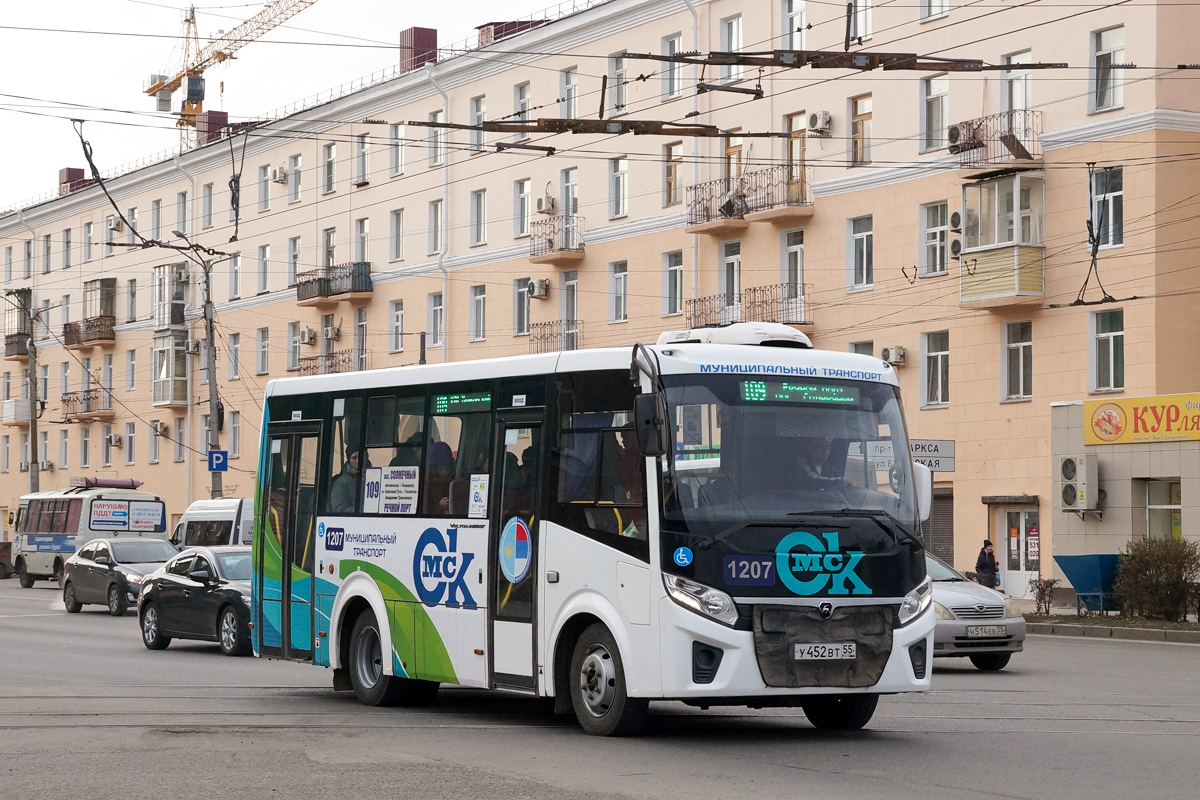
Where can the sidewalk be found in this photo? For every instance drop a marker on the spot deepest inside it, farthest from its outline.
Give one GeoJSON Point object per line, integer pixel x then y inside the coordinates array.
{"type": "Point", "coordinates": [1066, 623]}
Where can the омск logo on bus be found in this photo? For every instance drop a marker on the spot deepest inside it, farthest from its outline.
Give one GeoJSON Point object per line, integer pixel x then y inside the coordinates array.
{"type": "Point", "coordinates": [821, 563]}
{"type": "Point", "coordinates": [442, 572]}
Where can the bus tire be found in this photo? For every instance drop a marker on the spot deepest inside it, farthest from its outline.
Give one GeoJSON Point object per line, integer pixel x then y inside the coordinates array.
{"type": "Point", "coordinates": [365, 666]}
{"type": "Point", "coordinates": [72, 605]}
{"type": "Point", "coordinates": [598, 690]}
{"type": "Point", "coordinates": [117, 604]}
{"type": "Point", "coordinates": [840, 712]}
{"type": "Point", "coordinates": [60, 575]}
{"type": "Point", "coordinates": [991, 662]}
{"type": "Point", "coordinates": [151, 624]}
{"type": "Point", "coordinates": [23, 576]}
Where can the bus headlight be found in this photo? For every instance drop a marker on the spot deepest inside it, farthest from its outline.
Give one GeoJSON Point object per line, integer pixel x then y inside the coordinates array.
{"type": "Point", "coordinates": [916, 601]}
{"type": "Point", "coordinates": [941, 612]}
{"type": "Point", "coordinates": [702, 599]}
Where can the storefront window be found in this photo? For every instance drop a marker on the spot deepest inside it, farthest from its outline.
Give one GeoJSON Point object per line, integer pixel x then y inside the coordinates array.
{"type": "Point", "coordinates": [1164, 513]}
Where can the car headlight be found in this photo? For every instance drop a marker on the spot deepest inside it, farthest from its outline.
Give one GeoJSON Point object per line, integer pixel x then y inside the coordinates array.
{"type": "Point", "coordinates": [135, 578]}
{"type": "Point", "coordinates": [1011, 609]}
{"type": "Point", "coordinates": [702, 599]}
{"type": "Point", "coordinates": [916, 601]}
{"type": "Point", "coordinates": [246, 599]}
{"type": "Point", "coordinates": [941, 612]}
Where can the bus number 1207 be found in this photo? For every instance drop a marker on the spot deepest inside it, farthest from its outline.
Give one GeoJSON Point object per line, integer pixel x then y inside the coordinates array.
{"type": "Point", "coordinates": [750, 570]}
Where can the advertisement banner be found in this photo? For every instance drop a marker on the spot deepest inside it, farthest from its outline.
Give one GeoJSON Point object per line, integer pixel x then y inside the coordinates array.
{"type": "Point", "coordinates": [1136, 420]}
{"type": "Point", "coordinates": [110, 515]}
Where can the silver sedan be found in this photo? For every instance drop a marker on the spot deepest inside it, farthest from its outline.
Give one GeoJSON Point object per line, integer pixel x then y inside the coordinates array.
{"type": "Point", "coordinates": [972, 621]}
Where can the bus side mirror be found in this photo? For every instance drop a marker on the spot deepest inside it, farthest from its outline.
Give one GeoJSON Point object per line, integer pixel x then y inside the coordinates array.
{"type": "Point", "coordinates": [924, 485]}
{"type": "Point", "coordinates": [650, 423]}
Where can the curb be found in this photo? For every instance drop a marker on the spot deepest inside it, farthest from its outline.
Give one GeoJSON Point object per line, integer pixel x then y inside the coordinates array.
{"type": "Point", "coordinates": [1114, 632]}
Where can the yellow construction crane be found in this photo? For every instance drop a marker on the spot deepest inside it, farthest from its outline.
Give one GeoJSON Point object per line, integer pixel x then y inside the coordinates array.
{"type": "Point", "coordinates": [196, 59]}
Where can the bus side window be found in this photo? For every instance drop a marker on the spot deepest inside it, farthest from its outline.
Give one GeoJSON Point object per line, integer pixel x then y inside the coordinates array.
{"type": "Point", "coordinates": [395, 431]}
{"type": "Point", "coordinates": [46, 520]}
{"type": "Point", "coordinates": [59, 523]}
{"type": "Point", "coordinates": [345, 463]}
{"type": "Point", "coordinates": [459, 446]}
{"type": "Point", "coordinates": [74, 510]}
{"type": "Point", "coordinates": [22, 517]}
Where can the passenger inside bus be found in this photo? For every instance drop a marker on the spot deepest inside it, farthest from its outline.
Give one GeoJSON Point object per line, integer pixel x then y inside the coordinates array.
{"type": "Point", "coordinates": [440, 473]}
{"type": "Point", "coordinates": [343, 491]}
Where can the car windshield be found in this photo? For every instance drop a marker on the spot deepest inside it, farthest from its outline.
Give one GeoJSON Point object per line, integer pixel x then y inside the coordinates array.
{"type": "Point", "coordinates": [938, 571]}
{"type": "Point", "coordinates": [234, 566]}
{"type": "Point", "coordinates": [758, 448]}
{"type": "Point", "coordinates": [143, 551]}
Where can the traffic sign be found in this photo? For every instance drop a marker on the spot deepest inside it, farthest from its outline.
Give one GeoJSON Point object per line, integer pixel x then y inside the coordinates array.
{"type": "Point", "coordinates": [937, 454]}
{"type": "Point", "coordinates": [218, 460]}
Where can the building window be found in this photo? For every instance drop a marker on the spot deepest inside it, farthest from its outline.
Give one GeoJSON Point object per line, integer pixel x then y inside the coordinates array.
{"type": "Point", "coordinates": [235, 434]}
{"type": "Point", "coordinates": [437, 140]}
{"type": "Point", "coordinates": [131, 232]}
{"type": "Point", "coordinates": [1164, 510]}
{"type": "Point", "coordinates": [672, 71]}
{"type": "Point", "coordinates": [570, 191]}
{"type": "Point", "coordinates": [934, 230]}
{"type": "Point", "coordinates": [396, 235]}
{"type": "Point", "coordinates": [396, 332]}
{"type": "Point", "coordinates": [362, 239]}
{"type": "Point", "coordinates": [569, 93]}
{"type": "Point", "coordinates": [85, 447]}
{"type": "Point", "coordinates": [178, 439]}
{"type": "Point", "coordinates": [936, 93]}
{"type": "Point", "coordinates": [937, 368]}
{"type": "Point", "coordinates": [131, 299]}
{"type": "Point", "coordinates": [64, 449]}
{"type": "Point", "coordinates": [152, 441]}
{"type": "Point", "coordinates": [860, 19]}
{"type": "Point", "coordinates": [293, 353]}
{"type": "Point", "coordinates": [360, 338]}
{"type": "Point", "coordinates": [109, 221]}
{"type": "Point", "coordinates": [47, 248]}
{"type": "Point", "coordinates": [863, 348]}
{"type": "Point", "coordinates": [478, 217]}
{"type": "Point", "coordinates": [1018, 359]}
{"type": "Point", "coordinates": [672, 167]}
{"type": "Point", "coordinates": [731, 282]}
{"type": "Point", "coordinates": [618, 200]}
{"type": "Point", "coordinates": [264, 187]}
{"type": "Point", "coordinates": [860, 130]}
{"type": "Point", "coordinates": [618, 290]}
{"type": "Point", "coordinates": [206, 428]}
{"type": "Point", "coordinates": [264, 267]}
{"type": "Point", "coordinates": [328, 247]}
{"type": "Point", "coordinates": [478, 115]}
{"type": "Point", "coordinates": [793, 24]}
{"type": "Point", "coordinates": [130, 370]}
{"type": "Point", "coordinates": [673, 283]}
{"type": "Point", "coordinates": [262, 363]}
{"type": "Point", "coordinates": [1109, 346]}
{"type": "Point", "coordinates": [396, 150]}
{"type": "Point", "coordinates": [181, 212]}
{"type": "Point", "coordinates": [293, 178]}
{"type": "Point", "coordinates": [328, 160]}
{"type": "Point", "coordinates": [522, 207]}
{"type": "Point", "coordinates": [235, 349]}
{"type": "Point", "coordinates": [793, 264]}
{"type": "Point", "coordinates": [1004, 211]}
{"type": "Point", "coordinates": [731, 42]}
{"type": "Point", "coordinates": [235, 276]}
{"type": "Point", "coordinates": [206, 205]}
{"type": "Point", "coordinates": [293, 262]}
{"type": "Point", "coordinates": [521, 292]}
{"type": "Point", "coordinates": [4, 453]}
{"type": "Point", "coordinates": [156, 219]}
{"type": "Point", "coordinates": [934, 8]}
{"type": "Point", "coordinates": [1017, 82]}
{"type": "Point", "coordinates": [1108, 207]}
{"type": "Point", "coordinates": [106, 442]}
{"type": "Point", "coordinates": [66, 248]}
{"type": "Point", "coordinates": [129, 449]}
{"type": "Point", "coordinates": [436, 319]}
{"type": "Point", "coordinates": [435, 226]}
{"type": "Point", "coordinates": [478, 316]}
{"type": "Point", "coordinates": [617, 84]}
{"type": "Point", "coordinates": [520, 107]}
{"type": "Point", "coordinates": [87, 251]}
{"type": "Point", "coordinates": [362, 149]}
{"type": "Point", "coordinates": [1108, 79]}
{"type": "Point", "coordinates": [862, 252]}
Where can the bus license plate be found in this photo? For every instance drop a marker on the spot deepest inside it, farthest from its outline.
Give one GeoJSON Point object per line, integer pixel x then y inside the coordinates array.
{"type": "Point", "coordinates": [986, 631]}
{"type": "Point", "coordinates": [825, 652]}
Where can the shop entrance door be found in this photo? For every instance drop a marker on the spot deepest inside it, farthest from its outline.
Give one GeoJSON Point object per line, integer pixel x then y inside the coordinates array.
{"type": "Point", "coordinates": [1020, 543]}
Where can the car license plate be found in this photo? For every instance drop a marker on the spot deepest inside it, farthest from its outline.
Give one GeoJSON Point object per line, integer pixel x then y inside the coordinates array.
{"type": "Point", "coordinates": [986, 631]}
{"type": "Point", "coordinates": [825, 652]}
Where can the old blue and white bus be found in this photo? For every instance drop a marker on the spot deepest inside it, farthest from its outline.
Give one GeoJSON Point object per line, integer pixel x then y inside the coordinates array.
{"type": "Point", "coordinates": [727, 517]}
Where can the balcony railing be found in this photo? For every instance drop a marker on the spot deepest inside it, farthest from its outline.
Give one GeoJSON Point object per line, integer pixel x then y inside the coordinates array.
{"type": "Point", "coordinates": [89, 331]}
{"type": "Point", "coordinates": [332, 363]}
{"type": "Point", "coordinates": [87, 403]}
{"type": "Point", "coordinates": [778, 187]}
{"type": "Point", "coordinates": [996, 138]}
{"type": "Point", "coordinates": [556, 335]}
{"type": "Point", "coordinates": [16, 345]}
{"type": "Point", "coordinates": [558, 235]}
{"type": "Point", "coordinates": [780, 302]}
{"type": "Point", "coordinates": [332, 282]}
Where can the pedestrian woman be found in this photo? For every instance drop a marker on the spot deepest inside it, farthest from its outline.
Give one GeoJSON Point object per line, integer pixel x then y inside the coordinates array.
{"type": "Point", "coordinates": [985, 566]}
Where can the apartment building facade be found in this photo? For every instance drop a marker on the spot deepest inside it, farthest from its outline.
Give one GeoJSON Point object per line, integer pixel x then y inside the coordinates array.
{"type": "Point", "coordinates": [936, 216]}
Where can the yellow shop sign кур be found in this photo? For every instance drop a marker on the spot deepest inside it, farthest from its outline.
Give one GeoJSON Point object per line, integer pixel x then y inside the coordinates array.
{"type": "Point", "coordinates": [1163, 418]}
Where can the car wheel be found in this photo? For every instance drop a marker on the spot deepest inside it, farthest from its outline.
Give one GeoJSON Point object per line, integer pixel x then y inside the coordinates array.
{"type": "Point", "coordinates": [117, 604]}
{"type": "Point", "coordinates": [4, 571]}
{"type": "Point", "coordinates": [990, 662]}
{"type": "Point", "coordinates": [229, 633]}
{"type": "Point", "coordinates": [152, 635]}
{"type": "Point", "coordinates": [73, 606]}
{"type": "Point", "coordinates": [840, 712]}
{"type": "Point", "coordinates": [370, 685]}
{"type": "Point", "coordinates": [60, 574]}
{"type": "Point", "coordinates": [598, 690]}
{"type": "Point", "coordinates": [24, 576]}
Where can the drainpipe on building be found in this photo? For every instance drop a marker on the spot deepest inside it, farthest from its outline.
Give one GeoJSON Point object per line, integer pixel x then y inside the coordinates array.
{"type": "Point", "coordinates": [695, 148]}
{"type": "Point", "coordinates": [191, 229]}
{"type": "Point", "coordinates": [441, 259]}
{"type": "Point", "coordinates": [34, 389]}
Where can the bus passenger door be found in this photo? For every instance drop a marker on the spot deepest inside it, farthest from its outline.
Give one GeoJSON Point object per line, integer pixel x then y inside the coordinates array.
{"type": "Point", "coordinates": [516, 510]}
{"type": "Point", "coordinates": [285, 555]}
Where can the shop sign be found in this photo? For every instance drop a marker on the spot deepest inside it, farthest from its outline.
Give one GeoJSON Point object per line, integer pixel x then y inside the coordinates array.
{"type": "Point", "coordinates": [1136, 420]}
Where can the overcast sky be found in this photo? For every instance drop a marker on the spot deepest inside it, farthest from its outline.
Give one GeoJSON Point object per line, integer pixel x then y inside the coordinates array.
{"type": "Point", "coordinates": [110, 71]}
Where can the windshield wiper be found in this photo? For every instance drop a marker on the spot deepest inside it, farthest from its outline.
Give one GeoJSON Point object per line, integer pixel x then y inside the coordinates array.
{"type": "Point", "coordinates": [865, 513]}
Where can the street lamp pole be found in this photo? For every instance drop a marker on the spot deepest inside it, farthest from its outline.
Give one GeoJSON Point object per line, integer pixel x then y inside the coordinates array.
{"type": "Point", "coordinates": [210, 361]}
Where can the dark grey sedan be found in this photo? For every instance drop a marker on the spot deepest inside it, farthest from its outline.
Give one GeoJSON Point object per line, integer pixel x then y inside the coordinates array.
{"type": "Point", "coordinates": [203, 593]}
{"type": "Point", "coordinates": [110, 571]}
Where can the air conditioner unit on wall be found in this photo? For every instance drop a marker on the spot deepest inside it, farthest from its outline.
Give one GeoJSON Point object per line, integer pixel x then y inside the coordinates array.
{"type": "Point", "coordinates": [192, 346]}
{"type": "Point", "coordinates": [160, 429]}
{"type": "Point", "coordinates": [955, 222]}
{"type": "Point", "coordinates": [539, 289]}
{"type": "Point", "coordinates": [114, 439]}
{"type": "Point", "coordinates": [819, 122]}
{"type": "Point", "coordinates": [332, 333]}
{"type": "Point", "coordinates": [1079, 483]}
{"type": "Point", "coordinates": [308, 336]}
{"type": "Point", "coordinates": [24, 466]}
{"type": "Point", "coordinates": [893, 354]}
{"type": "Point", "coordinates": [279, 174]}
{"type": "Point", "coordinates": [114, 224]}
{"type": "Point", "coordinates": [956, 248]}
{"type": "Point", "coordinates": [46, 466]}
{"type": "Point", "coordinates": [546, 205]}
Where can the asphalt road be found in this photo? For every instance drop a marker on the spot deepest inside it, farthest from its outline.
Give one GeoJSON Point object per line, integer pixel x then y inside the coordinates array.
{"type": "Point", "coordinates": [87, 711]}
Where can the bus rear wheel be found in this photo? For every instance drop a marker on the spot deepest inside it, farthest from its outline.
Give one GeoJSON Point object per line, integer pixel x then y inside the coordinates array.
{"type": "Point", "coordinates": [598, 690]}
{"type": "Point", "coordinates": [840, 712]}
{"type": "Point", "coordinates": [371, 686]}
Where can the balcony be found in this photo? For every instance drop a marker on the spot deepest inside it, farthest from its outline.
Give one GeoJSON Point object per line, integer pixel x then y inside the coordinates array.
{"type": "Point", "coordinates": [88, 404]}
{"type": "Point", "coordinates": [1011, 275]}
{"type": "Point", "coordinates": [15, 412]}
{"type": "Point", "coordinates": [555, 336]}
{"type": "Point", "coordinates": [1010, 139]}
{"type": "Point", "coordinates": [557, 240]}
{"type": "Point", "coordinates": [89, 333]}
{"type": "Point", "coordinates": [331, 285]}
{"type": "Point", "coordinates": [333, 363]}
{"type": "Point", "coordinates": [780, 194]}
{"type": "Point", "coordinates": [16, 347]}
{"type": "Point", "coordinates": [779, 302]}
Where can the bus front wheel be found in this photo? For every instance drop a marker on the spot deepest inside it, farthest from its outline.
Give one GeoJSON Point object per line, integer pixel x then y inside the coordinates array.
{"type": "Point", "coordinates": [598, 690]}
{"type": "Point", "coordinates": [840, 712]}
{"type": "Point", "coordinates": [24, 576]}
{"type": "Point", "coordinates": [370, 685]}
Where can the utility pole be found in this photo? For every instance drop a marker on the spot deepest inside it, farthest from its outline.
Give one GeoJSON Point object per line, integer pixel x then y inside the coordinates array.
{"type": "Point", "coordinates": [210, 361]}
{"type": "Point", "coordinates": [34, 477]}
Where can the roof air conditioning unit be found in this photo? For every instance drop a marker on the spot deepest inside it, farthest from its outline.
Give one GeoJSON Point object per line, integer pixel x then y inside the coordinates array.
{"type": "Point", "coordinates": [24, 466]}
{"type": "Point", "coordinates": [279, 174]}
{"type": "Point", "coordinates": [308, 336]}
{"type": "Point", "coordinates": [956, 248]}
{"type": "Point", "coordinates": [1079, 483]}
{"type": "Point", "coordinates": [192, 346]}
{"type": "Point", "coordinates": [46, 466]}
{"type": "Point", "coordinates": [539, 289]}
{"type": "Point", "coordinates": [893, 354]}
{"type": "Point", "coordinates": [333, 333]}
{"type": "Point", "coordinates": [546, 205]}
{"type": "Point", "coordinates": [820, 122]}
{"type": "Point", "coordinates": [114, 439]}
{"type": "Point", "coordinates": [114, 223]}
{"type": "Point", "coordinates": [955, 222]}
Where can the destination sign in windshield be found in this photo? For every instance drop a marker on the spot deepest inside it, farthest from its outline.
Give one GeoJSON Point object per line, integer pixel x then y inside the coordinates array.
{"type": "Point", "coordinates": [800, 392]}
{"type": "Point", "coordinates": [454, 403]}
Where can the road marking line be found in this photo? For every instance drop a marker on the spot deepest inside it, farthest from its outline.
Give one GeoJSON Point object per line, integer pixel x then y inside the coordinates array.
{"type": "Point", "coordinates": [14, 616]}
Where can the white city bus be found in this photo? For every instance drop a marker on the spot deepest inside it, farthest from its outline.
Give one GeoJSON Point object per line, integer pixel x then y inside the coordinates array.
{"type": "Point", "coordinates": [603, 528]}
{"type": "Point", "coordinates": [51, 525]}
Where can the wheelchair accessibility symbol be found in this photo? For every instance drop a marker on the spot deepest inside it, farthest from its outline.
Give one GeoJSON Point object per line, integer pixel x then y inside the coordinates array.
{"type": "Point", "coordinates": [683, 556]}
